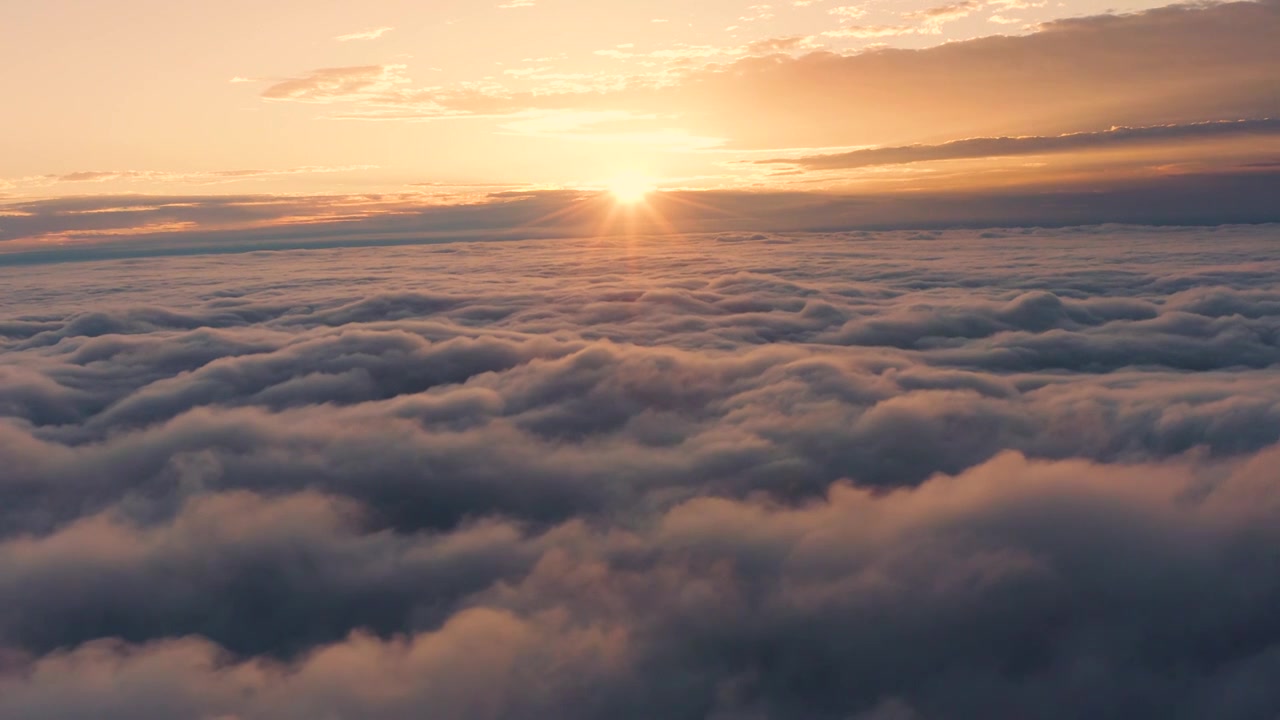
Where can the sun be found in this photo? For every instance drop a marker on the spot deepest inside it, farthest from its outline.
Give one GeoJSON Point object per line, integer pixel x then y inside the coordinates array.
{"type": "Point", "coordinates": [630, 189]}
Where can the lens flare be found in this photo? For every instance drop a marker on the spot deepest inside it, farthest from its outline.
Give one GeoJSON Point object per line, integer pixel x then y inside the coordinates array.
{"type": "Point", "coordinates": [630, 189]}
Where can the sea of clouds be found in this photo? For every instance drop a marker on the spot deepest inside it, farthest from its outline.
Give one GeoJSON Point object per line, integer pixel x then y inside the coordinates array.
{"type": "Point", "coordinates": [857, 476]}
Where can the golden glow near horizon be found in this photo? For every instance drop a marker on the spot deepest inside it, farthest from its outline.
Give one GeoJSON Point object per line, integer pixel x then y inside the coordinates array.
{"type": "Point", "coordinates": [631, 189]}
{"type": "Point", "coordinates": [457, 98]}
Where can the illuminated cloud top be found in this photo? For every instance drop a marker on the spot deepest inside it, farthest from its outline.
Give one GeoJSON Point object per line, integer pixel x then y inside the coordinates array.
{"type": "Point", "coordinates": [1027, 473]}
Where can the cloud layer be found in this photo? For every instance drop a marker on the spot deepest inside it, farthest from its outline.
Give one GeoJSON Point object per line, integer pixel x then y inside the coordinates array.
{"type": "Point", "coordinates": [744, 475]}
{"type": "Point", "coordinates": [98, 227]}
{"type": "Point", "coordinates": [1185, 63]}
{"type": "Point", "coordinates": [1113, 139]}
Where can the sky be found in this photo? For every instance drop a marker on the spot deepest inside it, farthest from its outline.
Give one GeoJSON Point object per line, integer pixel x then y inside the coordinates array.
{"type": "Point", "coordinates": [529, 359]}
{"type": "Point", "coordinates": [386, 94]}
{"type": "Point", "coordinates": [388, 105]}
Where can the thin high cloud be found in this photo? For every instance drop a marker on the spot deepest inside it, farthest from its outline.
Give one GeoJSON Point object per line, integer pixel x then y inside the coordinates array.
{"type": "Point", "coordinates": [675, 477]}
{"type": "Point", "coordinates": [1113, 139]}
{"type": "Point", "coordinates": [1069, 76]}
{"type": "Point", "coordinates": [928, 21]}
{"type": "Point", "coordinates": [372, 34]}
{"type": "Point", "coordinates": [205, 177]}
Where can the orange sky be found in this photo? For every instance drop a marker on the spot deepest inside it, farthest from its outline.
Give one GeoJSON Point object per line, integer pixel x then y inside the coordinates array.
{"type": "Point", "coordinates": [454, 102]}
{"type": "Point", "coordinates": [328, 96]}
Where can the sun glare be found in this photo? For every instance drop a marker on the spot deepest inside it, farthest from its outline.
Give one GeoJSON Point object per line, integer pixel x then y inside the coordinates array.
{"type": "Point", "coordinates": [630, 189]}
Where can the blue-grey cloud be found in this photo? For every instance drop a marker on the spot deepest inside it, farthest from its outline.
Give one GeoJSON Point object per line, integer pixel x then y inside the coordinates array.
{"type": "Point", "coordinates": [1120, 138]}
{"type": "Point", "coordinates": [747, 474]}
{"type": "Point", "coordinates": [89, 228]}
